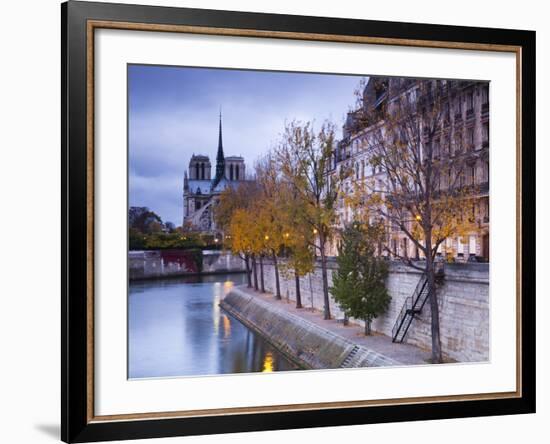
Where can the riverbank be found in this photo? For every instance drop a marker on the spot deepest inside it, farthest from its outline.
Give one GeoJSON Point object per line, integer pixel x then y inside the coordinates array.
{"type": "Point", "coordinates": [160, 264]}
{"type": "Point", "coordinates": [312, 342]}
{"type": "Point", "coordinates": [463, 305]}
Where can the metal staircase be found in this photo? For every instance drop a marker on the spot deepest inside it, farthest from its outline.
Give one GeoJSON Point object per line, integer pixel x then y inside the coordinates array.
{"type": "Point", "coordinates": [413, 305]}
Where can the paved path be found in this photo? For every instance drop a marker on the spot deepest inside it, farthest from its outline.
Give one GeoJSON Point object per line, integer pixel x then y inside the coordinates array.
{"type": "Point", "coordinates": [380, 343]}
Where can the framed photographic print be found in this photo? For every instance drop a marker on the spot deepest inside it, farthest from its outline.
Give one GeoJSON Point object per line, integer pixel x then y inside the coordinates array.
{"type": "Point", "coordinates": [276, 221]}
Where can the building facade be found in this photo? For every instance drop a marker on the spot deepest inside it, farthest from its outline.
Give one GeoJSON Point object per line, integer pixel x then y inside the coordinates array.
{"type": "Point", "coordinates": [465, 113]}
{"type": "Point", "coordinates": [201, 191]}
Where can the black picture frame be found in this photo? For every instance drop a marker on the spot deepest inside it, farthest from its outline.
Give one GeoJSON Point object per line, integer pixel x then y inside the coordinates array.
{"type": "Point", "coordinates": [76, 423]}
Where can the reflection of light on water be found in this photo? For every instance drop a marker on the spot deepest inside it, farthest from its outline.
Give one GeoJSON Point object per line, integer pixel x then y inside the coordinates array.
{"type": "Point", "coordinates": [220, 289]}
{"type": "Point", "coordinates": [216, 306]}
{"type": "Point", "coordinates": [268, 363]}
{"type": "Point", "coordinates": [226, 326]}
{"type": "Point", "coordinates": [227, 286]}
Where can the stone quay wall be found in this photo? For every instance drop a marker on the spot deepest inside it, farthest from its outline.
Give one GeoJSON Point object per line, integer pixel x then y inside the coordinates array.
{"type": "Point", "coordinates": [303, 342]}
{"type": "Point", "coordinates": [463, 306]}
{"type": "Point", "coordinates": [166, 263]}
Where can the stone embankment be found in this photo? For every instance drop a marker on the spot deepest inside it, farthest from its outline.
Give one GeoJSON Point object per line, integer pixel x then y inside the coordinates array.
{"type": "Point", "coordinates": [169, 263]}
{"type": "Point", "coordinates": [311, 342]}
{"type": "Point", "coordinates": [463, 296]}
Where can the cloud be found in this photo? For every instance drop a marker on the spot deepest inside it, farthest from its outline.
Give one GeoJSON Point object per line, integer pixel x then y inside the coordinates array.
{"type": "Point", "coordinates": [173, 113]}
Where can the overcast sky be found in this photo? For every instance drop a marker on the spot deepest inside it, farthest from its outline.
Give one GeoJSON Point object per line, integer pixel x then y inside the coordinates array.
{"type": "Point", "coordinates": [173, 113]}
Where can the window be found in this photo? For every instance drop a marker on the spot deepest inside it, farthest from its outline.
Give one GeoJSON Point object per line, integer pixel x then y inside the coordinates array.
{"type": "Point", "coordinates": [472, 246]}
{"type": "Point", "coordinates": [473, 174]}
{"type": "Point", "coordinates": [446, 112]}
{"type": "Point", "coordinates": [458, 141]}
{"type": "Point", "coordinates": [231, 172]}
{"type": "Point", "coordinates": [236, 172]}
{"type": "Point", "coordinates": [362, 169]}
{"type": "Point", "coordinates": [470, 138]}
{"type": "Point", "coordinates": [470, 101]}
{"type": "Point", "coordinates": [460, 246]}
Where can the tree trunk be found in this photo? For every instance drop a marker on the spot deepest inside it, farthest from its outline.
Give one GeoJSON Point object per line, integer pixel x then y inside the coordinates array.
{"type": "Point", "coordinates": [277, 284]}
{"type": "Point", "coordinates": [434, 306]}
{"type": "Point", "coordinates": [326, 299]}
{"type": "Point", "coordinates": [248, 277]}
{"type": "Point", "coordinates": [262, 287]}
{"type": "Point", "coordinates": [255, 272]}
{"type": "Point", "coordinates": [298, 295]}
{"type": "Point", "coordinates": [367, 326]}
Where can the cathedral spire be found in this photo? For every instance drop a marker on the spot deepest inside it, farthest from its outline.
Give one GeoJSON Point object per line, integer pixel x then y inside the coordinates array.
{"type": "Point", "coordinates": [220, 155]}
{"type": "Point", "coordinates": [220, 158]}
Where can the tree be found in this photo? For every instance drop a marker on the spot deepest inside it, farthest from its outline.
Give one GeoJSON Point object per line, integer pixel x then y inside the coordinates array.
{"type": "Point", "coordinates": [231, 200]}
{"type": "Point", "coordinates": [424, 193]}
{"type": "Point", "coordinates": [359, 282]}
{"type": "Point", "coordinates": [242, 242]}
{"type": "Point", "coordinates": [269, 210]}
{"type": "Point", "coordinates": [301, 261]}
{"type": "Point", "coordinates": [304, 159]}
{"type": "Point", "coordinates": [298, 240]}
{"type": "Point", "coordinates": [144, 220]}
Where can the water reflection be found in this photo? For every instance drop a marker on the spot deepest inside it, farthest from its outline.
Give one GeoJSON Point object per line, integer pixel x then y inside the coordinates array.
{"type": "Point", "coordinates": [176, 328]}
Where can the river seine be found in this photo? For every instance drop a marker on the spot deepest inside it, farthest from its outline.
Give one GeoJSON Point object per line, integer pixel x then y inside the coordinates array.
{"type": "Point", "coordinates": [176, 328]}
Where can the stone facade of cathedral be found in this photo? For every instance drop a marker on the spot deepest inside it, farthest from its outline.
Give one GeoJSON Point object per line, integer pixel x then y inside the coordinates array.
{"type": "Point", "coordinates": [201, 191]}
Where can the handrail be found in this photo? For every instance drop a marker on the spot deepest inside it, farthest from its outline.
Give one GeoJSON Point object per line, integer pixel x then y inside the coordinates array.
{"type": "Point", "coordinates": [413, 304]}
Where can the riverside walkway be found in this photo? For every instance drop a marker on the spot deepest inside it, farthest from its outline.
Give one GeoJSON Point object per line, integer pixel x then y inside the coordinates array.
{"type": "Point", "coordinates": [401, 354]}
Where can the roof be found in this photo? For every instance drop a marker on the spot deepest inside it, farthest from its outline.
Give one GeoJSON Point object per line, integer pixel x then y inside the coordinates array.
{"type": "Point", "coordinates": [202, 185]}
{"type": "Point", "coordinates": [200, 157]}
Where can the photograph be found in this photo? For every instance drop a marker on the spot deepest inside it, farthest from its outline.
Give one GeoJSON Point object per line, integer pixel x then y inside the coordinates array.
{"type": "Point", "coordinates": [283, 221]}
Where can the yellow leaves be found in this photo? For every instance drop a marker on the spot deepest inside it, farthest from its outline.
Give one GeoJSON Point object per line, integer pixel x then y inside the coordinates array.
{"type": "Point", "coordinates": [241, 239]}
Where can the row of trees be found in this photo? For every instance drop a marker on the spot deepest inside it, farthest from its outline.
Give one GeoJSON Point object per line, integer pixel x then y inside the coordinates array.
{"type": "Point", "coordinates": [290, 211]}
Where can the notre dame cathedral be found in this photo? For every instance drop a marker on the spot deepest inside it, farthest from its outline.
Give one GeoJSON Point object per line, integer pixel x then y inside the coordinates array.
{"type": "Point", "coordinates": [201, 191]}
